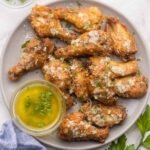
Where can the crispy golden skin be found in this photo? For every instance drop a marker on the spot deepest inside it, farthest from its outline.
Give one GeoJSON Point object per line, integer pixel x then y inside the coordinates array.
{"type": "Point", "coordinates": [90, 43]}
{"type": "Point", "coordinates": [131, 87]}
{"type": "Point", "coordinates": [57, 72]}
{"type": "Point", "coordinates": [75, 128]}
{"type": "Point", "coordinates": [124, 42]}
{"type": "Point", "coordinates": [80, 80]}
{"type": "Point", "coordinates": [102, 115]}
{"type": "Point", "coordinates": [103, 72]}
{"type": "Point", "coordinates": [46, 24]}
{"type": "Point", "coordinates": [113, 68]}
{"type": "Point", "coordinates": [84, 19]}
{"type": "Point", "coordinates": [34, 55]}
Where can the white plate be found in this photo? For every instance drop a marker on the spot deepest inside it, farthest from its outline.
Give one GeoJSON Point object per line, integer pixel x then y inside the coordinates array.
{"type": "Point", "coordinates": [11, 55]}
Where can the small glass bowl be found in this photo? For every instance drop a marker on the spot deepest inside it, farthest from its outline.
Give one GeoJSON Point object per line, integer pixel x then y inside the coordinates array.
{"type": "Point", "coordinates": [16, 3]}
{"type": "Point", "coordinates": [31, 131]}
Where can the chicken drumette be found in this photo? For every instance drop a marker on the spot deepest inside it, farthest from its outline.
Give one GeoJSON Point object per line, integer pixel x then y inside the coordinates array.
{"type": "Point", "coordinates": [102, 115]}
{"type": "Point", "coordinates": [33, 56]}
{"type": "Point", "coordinates": [84, 19]}
{"type": "Point", "coordinates": [46, 24]}
{"type": "Point", "coordinates": [90, 43]}
{"type": "Point", "coordinates": [58, 72]}
{"type": "Point", "coordinates": [75, 128]}
{"type": "Point", "coordinates": [124, 42]}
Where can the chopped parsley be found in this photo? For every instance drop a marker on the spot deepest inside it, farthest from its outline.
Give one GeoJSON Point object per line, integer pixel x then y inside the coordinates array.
{"type": "Point", "coordinates": [25, 44]}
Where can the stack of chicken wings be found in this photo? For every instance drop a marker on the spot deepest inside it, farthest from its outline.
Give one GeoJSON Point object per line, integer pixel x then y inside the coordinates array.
{"type": "Point", "coordinates": [84, 69]}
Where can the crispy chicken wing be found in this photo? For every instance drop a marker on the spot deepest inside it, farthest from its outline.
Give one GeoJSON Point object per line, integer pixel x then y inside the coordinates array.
{"type": "Point", "coordinates": [113, 68]}
{"type": "Point", "coordinates": [75, 128]}
{"type": "Point", "coordinates": [90, 43]}
{"type": "Point", "coordinates": [131, 87]}
{"type": "Point", "coordinates": [102, 115]}
{"type": "Point", "coordinates": [80, 80]}
{"type": "Point", "coordinates": [124, 42]}
{"type": "Point", "coordinates": [84, 19]}
{"type": "Point", "coordinates": [104, 86]}
{"type": "Point", "coordinates": [34, 55]}
{"type": "Point", "coordinates": [46, 24]}
{"type": "Point", "coordinates": [57, 72]}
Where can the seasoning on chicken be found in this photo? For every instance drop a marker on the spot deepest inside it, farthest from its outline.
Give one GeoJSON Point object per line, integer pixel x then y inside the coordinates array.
{"type": "Point", "coordinates": [80, 80]}
{"type": "Point", "coordinates": [124, 43]}
{"type": "Point", "coordinates": [33, 56]}
{"type": "Point", "coordinates": [75, 128]}
{"type": "Point", "coordinates": [57, 72]}
{"type": "Point", "coordinates": [46, 24]}
{"type": "Point", "coordinates": [102, 115]}
{"type": "Point", "coordinates": [90, 43]}
{"type": "Point", "coordinates": [131, 87]}
{"type": "Point", "coordinates": [84, 19]}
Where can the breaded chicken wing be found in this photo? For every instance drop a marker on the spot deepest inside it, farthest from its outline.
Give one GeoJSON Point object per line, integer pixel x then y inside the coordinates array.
{"type": "Point", "coordinates": [80, 80]}
{"type": "Point", "coordinates": [90, 43]}
{"type": "Point", "coordinates": [75, 128]}
{"type": "Point", "coordinates": [124, 42]}
{"type": "Point", "coordinates": [102, 115]}
{"type": "Point", "coordinates": [131, 87]}
{"type": "Point", "coordinates": [34, 55]}
{"type": "Point", "coordinates": [84, 19]}
{"type": "Point", "coordinates": [46, 24]}
{"type": "Point", "coordinates": [104, 86]}
{"type": "Point", "coordinates": [114, 69]}
{"type": "Point", "coordinates": [57, 72]}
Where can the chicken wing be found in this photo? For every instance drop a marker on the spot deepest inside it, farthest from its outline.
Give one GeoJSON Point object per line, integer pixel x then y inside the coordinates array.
{"type": "Point", "coordinates": [124, 42]}
{"type": "Point", "coordinates": [46, 24]}
{"type": "Point", "coordinates": [80, 80]}
{"type": "Point", "coordinates": [114, 69]}
{"type": "Point", "coordinates": [90, 43]}
{"type": "Point", "coordinates": [104, 85]}
{"type": "Point", "coordinates": [75, 128]}
{"type": "Point", "coordinates": [34, 55]}
{"type": "Point", "coordinates": [131, 87]}
{"type": "Point", "coordinates": [57, 72]}
{"type": "Point", "coordinates": [84, 19]}
{"type": "Point", "coordinates": [102, 115]}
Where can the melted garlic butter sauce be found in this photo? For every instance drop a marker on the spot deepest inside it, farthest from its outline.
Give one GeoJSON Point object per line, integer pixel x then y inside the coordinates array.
{"type": "Point", "coordinates": [37, 106]}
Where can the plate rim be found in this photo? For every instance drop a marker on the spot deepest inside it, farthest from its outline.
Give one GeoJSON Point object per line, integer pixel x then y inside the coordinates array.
{"type": "Point", "coordinates": [103, 4]}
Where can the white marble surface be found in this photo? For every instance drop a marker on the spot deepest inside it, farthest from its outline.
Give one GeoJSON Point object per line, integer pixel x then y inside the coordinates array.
{"type": "Point", "coordinates": [137, 11]}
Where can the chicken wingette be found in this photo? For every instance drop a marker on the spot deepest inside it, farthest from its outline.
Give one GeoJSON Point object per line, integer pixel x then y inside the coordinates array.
{"type": "Point", "coordinates": [102, 115]}
{"type": "Point", "coordinates": [124, 44]}
{"type": "Point", "coordinates": [75, 128]}
{"type": "Point", "coordinates": [84, 19]}
{"type": "Point", "coordinates": [46, 24]}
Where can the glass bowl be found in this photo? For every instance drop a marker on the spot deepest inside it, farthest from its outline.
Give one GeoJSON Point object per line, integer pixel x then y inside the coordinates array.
{"type": "Point", "coordinates": [27, 128]}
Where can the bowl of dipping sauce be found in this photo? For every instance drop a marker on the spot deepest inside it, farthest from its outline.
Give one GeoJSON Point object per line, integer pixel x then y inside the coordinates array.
{"type": "Point", "coordinates": [38, 107]}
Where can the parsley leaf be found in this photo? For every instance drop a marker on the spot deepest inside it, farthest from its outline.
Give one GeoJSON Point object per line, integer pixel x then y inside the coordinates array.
{"type": "Point", "coordinates": [130, 147]}
{"type": "Point", "coordinates": [143, 122]}
{"type": "Point", "coordinates": [146, 142]}
{"type": "Point", "coordinates": [25, 44]}
{"type": "Point", "coordinates": [119, 145]}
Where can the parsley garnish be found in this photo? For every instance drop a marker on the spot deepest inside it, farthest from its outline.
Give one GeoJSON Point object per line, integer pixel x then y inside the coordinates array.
{"type": "Point", "coordinates": [87, 25]}
{"type": "Point", "coordinates": [143, 124]}
{"type": "Point", "coordinates": [25, 44]}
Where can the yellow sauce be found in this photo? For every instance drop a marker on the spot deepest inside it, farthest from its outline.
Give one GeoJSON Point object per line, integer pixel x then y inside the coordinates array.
{"type": "Point", "coordinates": [37, 106]}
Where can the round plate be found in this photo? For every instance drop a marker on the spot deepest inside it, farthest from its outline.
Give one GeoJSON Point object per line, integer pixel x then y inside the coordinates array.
{"type": "Point", "coordinates": [10, 56]}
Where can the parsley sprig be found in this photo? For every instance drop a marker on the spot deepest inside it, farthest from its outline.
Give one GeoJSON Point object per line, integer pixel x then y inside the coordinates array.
{"type": "Point", "coordinates": [143, 125]}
